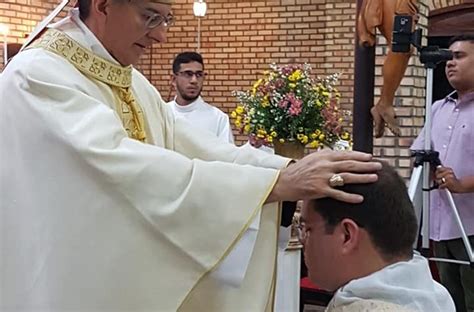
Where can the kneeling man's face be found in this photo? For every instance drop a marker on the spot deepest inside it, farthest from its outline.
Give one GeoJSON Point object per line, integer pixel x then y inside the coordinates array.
{"type": "Point", "coordinates": [320, 249]}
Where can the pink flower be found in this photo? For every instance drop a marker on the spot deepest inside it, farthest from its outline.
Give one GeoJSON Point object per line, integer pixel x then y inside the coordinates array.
{"type": "Point", "coordinates": [289, 69]}
{"type": "Point", "coordinates": [295, 104]}
{"type": "Point", "coordinates": [332, 115]}
{"type": "Point", "coordinates": [283, 103]}
{"type": "Point", "coordinates": [279, 83]}
{"type": "Point", "coordinates": [295, 109]}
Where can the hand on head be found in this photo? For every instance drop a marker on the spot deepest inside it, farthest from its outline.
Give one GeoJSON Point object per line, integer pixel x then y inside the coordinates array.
{"type": "Point", "coordinates": [310, 177]}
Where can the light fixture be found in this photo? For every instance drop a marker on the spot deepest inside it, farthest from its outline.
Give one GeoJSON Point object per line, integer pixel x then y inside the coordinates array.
{"type": "Point", "coordinates": [4, 30]}
{"type": "Point", "coordinates": [199, 9]}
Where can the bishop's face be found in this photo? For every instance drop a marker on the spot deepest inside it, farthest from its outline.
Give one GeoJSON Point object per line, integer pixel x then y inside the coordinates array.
{"type": "Point", "coordinates": [129, 28]}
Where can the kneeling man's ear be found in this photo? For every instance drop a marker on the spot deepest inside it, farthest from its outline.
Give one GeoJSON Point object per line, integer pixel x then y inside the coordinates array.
{"type": "Point", "coordinates": [350, 234]}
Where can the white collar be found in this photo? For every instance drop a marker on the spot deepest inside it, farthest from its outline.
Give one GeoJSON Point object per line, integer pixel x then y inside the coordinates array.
{"type": "Point", "coordinates": [407, 283]}
{"type": "Point", "coordinates": [190, 107]}
{"type": "Point", "coordinates": [74, 27]}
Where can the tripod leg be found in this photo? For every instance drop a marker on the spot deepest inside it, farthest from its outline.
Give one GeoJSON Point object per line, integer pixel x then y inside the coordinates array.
{"type": "Point", "coordinates": [425, 228]}
{"type": "Point", "coordinates": [414, 192]}
{"type": "Point", "coordinates": [465, 239]}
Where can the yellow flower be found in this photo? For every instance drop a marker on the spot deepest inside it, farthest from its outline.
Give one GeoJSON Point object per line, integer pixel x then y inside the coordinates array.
{"type": "Point", "coordinates": [314, 144]}
{"type": "Point", "coordinates": [237, 123]}
{"type": "Point", "coordinates": [295, 76]}
{"type": "Point", "coordinates": [247, 128]}
{"type": "Point", "coordinates": [282, 140]}
{"type": "Point", "coordinates": [345, 136]}
{"type": "Point", "coordinates": [317, 132]}
{"type": "Point", "coordinates": [265, 101]}
{"type": "Point", "coordinates": [313, 136]}
{"type": "Point", "coordinates": [273, 134]}
{"type": "Point", "coordinates": [257, 84]}
{"type": "Point", "coordinates": [269, 138]}
{"type": "Point", "coordinates": [233, 114]}
{"type": "Point", "coordinates": [304, 139]}
{"type": "Point", "coordinates": [239, 110]}
{"type": "Point", "coordinates": [292, 85]}
{"type": "Point", "coordinates": [321, 137]}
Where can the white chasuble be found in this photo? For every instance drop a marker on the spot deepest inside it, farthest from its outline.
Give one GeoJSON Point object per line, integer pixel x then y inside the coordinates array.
{"type": "Point", "coordinates": [206, 117]}
{"type": "Point", "coordinates": [94, 220]}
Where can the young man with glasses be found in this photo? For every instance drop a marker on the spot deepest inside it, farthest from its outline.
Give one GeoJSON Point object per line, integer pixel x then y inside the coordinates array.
{"type": "Point", "coordinates": [110, 204]}
{"type": "Point", "coordinates": [187, 80]}
{"type": "Point", "coordinates": [364, 251]}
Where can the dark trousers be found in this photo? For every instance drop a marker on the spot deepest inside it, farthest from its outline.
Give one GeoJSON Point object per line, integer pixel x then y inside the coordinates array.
{"type": "Point", "coordinates": [457, 278]}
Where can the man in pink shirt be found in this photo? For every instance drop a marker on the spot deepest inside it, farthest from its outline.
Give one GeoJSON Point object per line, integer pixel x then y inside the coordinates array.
{"type": "Point", "coordinates": [452, 135]}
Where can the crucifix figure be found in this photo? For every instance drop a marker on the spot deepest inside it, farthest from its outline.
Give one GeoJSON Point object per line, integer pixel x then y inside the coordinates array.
{"type": "Point", "coordinates": [379, 14]}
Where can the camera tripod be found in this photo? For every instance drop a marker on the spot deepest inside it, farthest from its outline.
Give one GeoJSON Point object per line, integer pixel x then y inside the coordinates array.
{"type": "Point", "coordinates": [427, 158]}
{"type": "Point", "coordinates": [420, 196]}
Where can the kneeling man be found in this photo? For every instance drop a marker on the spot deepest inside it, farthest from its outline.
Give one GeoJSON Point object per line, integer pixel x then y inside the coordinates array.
{"type": "Point", "coordinates": [364, 252]}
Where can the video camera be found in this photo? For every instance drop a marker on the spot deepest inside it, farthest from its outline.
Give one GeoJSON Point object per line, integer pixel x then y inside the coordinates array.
{"type": "Point", "coordinates": [403, 38]}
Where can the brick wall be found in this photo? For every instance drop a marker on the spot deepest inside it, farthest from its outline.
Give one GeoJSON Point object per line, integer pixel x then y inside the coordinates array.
{"type": "Point", "coordinates": [239, 39]}
{"type": "Point", "coordinates": [21, 16]}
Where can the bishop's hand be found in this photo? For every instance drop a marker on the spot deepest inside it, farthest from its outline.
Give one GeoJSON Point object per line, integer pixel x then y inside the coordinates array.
{"type": "Point", "coordinates": [315, 176]}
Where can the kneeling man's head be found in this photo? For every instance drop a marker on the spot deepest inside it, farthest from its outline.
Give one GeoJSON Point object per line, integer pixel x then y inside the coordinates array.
{"type": "Point", "coordinates": [347, 241]}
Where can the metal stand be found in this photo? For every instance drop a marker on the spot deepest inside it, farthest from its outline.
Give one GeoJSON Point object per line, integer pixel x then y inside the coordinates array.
{"type": "Point", "coordinates": [424, 161]}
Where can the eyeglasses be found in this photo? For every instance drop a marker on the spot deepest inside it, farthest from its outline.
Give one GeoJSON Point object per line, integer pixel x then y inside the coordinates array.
{"type": "Point", "coordinates": [189, 74]}
{"type": "Point", "coordinates": [154, 20]}
{"type": "Point", "coordinates": [301, 231]}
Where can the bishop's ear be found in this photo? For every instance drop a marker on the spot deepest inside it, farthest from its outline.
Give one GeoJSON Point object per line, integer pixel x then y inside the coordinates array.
{"type": "Point", "coordinates": [99, 7]}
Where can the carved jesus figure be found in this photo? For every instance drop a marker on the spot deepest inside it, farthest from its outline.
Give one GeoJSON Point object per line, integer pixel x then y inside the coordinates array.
{"type": "Point", "coordinates": [379, 14]}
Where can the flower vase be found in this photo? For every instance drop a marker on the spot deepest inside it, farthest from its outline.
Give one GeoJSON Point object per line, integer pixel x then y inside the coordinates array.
{"type": "Point", "coordinates": [290, 149]}
{"type": "Point", "coordinates": [294, 150]}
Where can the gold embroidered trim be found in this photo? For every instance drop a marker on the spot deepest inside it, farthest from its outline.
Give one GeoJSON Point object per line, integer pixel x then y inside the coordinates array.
{"type": "Point", "coordinates": [131, 114]}
{"type": "Point", "coordinates": [83, 59]}
{"type": "Point", "coordinates": [117, 77]}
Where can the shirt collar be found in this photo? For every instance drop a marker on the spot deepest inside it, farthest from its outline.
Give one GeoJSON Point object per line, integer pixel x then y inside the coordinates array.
{"type": "Point", "coordinates": [453, 97]}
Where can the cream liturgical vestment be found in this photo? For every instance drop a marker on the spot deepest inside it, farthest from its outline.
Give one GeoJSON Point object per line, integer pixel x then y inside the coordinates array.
{"type": "Point", "coordinates": [206, 117]}
{"type": "Point", "coordinates": [108, 203]}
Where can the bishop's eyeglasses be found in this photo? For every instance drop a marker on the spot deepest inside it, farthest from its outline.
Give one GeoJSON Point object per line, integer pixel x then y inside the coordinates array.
{"type": "Point", "coordinates": [154, 20]}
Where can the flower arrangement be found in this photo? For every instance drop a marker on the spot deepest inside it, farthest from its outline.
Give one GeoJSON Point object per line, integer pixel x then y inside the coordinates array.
{"type": "Point", "coordinates": [288, 105]}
